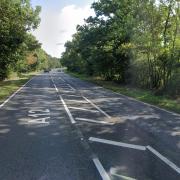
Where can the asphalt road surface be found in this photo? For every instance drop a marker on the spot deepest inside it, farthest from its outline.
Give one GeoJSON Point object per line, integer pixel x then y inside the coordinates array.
{"type": "Point", "coordinates": [58, 127]}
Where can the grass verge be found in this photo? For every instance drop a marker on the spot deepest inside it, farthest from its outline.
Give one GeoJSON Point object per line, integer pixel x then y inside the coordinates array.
{"type": "Point", "coordinates": [139, 94]}
{"type": "Point", "coordinates": [10, 85]}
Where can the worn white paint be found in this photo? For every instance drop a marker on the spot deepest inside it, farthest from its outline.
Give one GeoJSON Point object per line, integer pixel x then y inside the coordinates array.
{"type": "Point", "coordinates": [94, 121]}
{"type": "Point", "coordinates": [100, 168]}
{"type": "Point", "coordinates": [115, 143]}
{"type": "Point", "coordinates": [164, 159]}
{"type": "Point", "coordinates": [39, 121]}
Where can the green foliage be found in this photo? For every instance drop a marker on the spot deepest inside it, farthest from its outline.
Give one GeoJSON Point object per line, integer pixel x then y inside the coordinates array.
{"type": "Point", "coordinates": [129, 41]}
{"type": "Point", "coordinates": [17, 18]}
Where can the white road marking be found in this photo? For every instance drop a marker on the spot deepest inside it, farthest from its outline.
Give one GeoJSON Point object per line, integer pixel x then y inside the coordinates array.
{"type": "Point", "coordinates": [101, 169]}
{"type": "Point", "coordinates": [134, 117]}
{"type": "Point", "coordinates": [164, 159]}
{"type": "Point", "coordinates": [94, 121]}
{"type": "Point", "coordinates": [114, 173]}
{"type": "Point", "coordinates": [71, 95]}
{"type": "Point", "coordinates": [149, 105]}
{"type": "Point", "coordinates": [71, 87]}
{"type": "Point", "coordinates": [77, 101]}
{"type": "Point", "coordinates": [115, 143]}
{"type": "Point", "coordinates": [97, 107]}
{"type": "Point", "coordinates": [67, 110]}
{"type": "Point", "coordinates": [37, 115]}
{"type": "Point", "coordinates": [64, 104]}
{"type": "Point", "coordinates": [39, 121]}
{"type": "Point", "coordinates": [62, 79]}
{"type": "Point", "coordinates": [39, 110]}
{"type": "Point", "coordinates": [10, 97]}
{"type": "Point", "coordinates": [83, 109]}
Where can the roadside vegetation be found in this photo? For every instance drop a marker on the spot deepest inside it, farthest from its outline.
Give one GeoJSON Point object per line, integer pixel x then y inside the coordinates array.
{"type": "Point", "coordinates": [131, 43]}
{"type": "Point", "coordinates": [144, 95]}
{"type": "Point", "coordinates": [20, 52]}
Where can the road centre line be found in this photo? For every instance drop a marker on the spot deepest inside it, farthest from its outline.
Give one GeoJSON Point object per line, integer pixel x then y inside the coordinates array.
{"type": "Point", "coordinates": [64, 104]}
{"type": "Point", "coordinates": [97, 107]}
{"type": "Point", "coordinates": [164, 159]}
{"type": "Point", "coordinates": [94, 121]}
{"type": "Point", "coordinates": [83, 109]}
{"type": "Point", "coordinates": [101, 169]}
{"type": "Point", "coordinates": [121, 144]}
{"type": "Point", "coordinates": [96, 161]}
{"type": "Point", "coordinates": [108, 116]}
{"type": "Point", "coordinates": [10, 97]}
{"type": "Point", "coordinates": [67, 110]}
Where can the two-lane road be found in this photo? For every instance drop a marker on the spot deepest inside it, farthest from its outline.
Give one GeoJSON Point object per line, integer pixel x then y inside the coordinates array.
{"type": "Point", "coordinates": [59, 127]}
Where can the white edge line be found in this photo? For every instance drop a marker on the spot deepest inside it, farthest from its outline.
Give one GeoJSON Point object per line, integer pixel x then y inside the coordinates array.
{"type": "Point", "coordinates": [101, 169]}
{"type": "Point", "coordinates": [10, 97]}
{"type": "Point", "coordinates": [94, 121]}
{"type": "Point", "coordinates": [164, 159]}
{"type": "Point", "coordinates": [115, 143]}
{"type": "Point", "coordinates": [83, 109]}
{"type": "Point", "coordinates": [150, 105]}
{"type": "Point", "coordinates": [97, 107]}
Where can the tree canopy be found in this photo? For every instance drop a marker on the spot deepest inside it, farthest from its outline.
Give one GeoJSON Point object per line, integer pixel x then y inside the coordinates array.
{"type": "Point", "coordinates": [129, 41]}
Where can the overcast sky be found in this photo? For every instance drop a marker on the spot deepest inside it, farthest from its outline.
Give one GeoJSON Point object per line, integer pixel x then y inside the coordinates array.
{"type": "Point", "coordinates": [58, 22]}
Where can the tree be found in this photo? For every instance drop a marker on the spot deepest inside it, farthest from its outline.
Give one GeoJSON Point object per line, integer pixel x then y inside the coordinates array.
{"type": "Point", "coordinates": [17, 19]}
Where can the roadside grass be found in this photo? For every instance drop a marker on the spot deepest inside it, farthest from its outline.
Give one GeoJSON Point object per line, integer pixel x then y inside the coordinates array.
{"type": "Point", "coordinates": [139, 94]}
{"type": "Point", "coordinates": [10, 85]}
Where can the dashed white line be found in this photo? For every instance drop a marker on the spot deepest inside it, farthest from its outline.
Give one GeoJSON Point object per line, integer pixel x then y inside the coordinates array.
{"type": "Point", "coordinates": [97, 107]}
{"type": "Point", "coordinates": [10, 97]}
{"type": "Point", "coordinates": [164, 159]}
{"type": "Point", "coordinates": [115, 143]}
{"type": "Point", "coordinates": [101, 169]}
{"type": "Point", "coordinates": [83, 109]}
{"type": "Point", "coordinates": [94, 121]}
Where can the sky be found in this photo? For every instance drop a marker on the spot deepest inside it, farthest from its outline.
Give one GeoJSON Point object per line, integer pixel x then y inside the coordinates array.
{"type": "Point", "coordinates": [59, 19]}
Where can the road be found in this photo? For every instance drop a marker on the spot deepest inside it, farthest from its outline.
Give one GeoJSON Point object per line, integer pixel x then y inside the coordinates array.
{"type": "Point", "coordinates": [59, 127]}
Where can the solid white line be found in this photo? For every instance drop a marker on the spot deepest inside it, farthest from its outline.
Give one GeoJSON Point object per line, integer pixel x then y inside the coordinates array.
{"type": "Point", "coordinates": [115, 143]}
{"type": "Point", "coordinates": [67, 110]}
{"type": "Point", "coordinates": [77, 101]}
{"type": "Point", "coordinates": [97, 107]}
{"type": "Point", "coordinates": [94, 121]}
{"type": "Point", "coordinates": [101, 169]}
{"type": "Point", "coordinates": [10, 97]}
{"type": "Point", "coordinates": [83, 109]}
{"type": "Point", "coordinates": [164, 159]}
